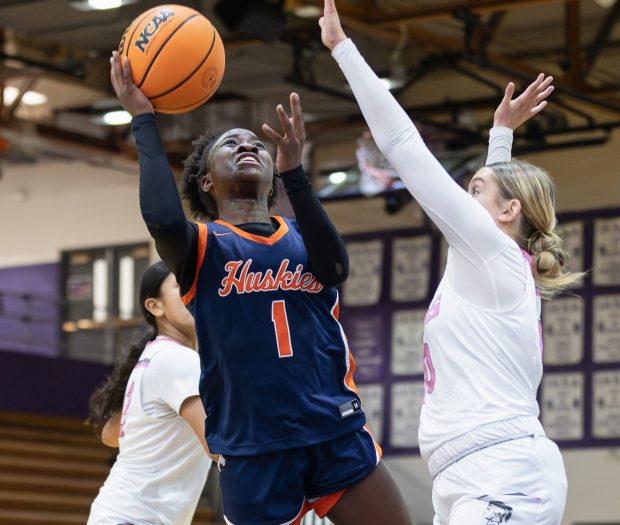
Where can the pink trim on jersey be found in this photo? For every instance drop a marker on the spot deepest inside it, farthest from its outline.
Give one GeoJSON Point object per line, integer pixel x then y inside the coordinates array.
{"type": "Point", "coordinates": [143, 363]}
{"type": "Point", "coordinates": [433, 310]}
{"type": "Point", "coordinates": [126, 404]}
{"type": "Point", "coordinates": [528, 257]}
{"type": "Point", "coordinates": [164, 338]}
{"type": "Point", "coordinates": [429, 372]}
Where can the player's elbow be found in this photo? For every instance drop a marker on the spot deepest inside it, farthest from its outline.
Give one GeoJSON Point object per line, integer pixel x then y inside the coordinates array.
{"type": "Point", "coordinates": [405, 138]}
{"type": "Point", "coordinates": [342, 273]}
{"type": "Point", "coordinates": [336, 275]}
{"type": "Point", "coordinates": [109, 433]}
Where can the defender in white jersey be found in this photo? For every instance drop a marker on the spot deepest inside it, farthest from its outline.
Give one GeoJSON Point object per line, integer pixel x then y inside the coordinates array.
{"type": "Point", "coordinates": [162, 464]}
{"type": "Point", "coordinates": [479, 430]}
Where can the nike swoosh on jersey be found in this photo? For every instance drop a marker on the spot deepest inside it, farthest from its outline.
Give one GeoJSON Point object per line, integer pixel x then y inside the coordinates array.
{"type": "Point", "coordinates": [221, 234]}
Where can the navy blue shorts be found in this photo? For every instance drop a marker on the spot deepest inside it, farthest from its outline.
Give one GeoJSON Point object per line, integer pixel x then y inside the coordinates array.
{"type": "Point", "coordinates": [280, 487]}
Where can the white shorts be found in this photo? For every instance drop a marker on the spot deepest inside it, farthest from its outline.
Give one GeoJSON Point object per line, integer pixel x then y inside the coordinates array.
{"type": "Point", "coordinates": [519, 482]}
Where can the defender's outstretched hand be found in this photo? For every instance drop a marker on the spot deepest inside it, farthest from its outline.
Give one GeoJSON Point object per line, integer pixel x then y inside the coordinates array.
{"type": "Point", "coordinates": [331, 30]}
{"type": "Point", "coordinates": [512, 113]}
{"type": "Point", "coordinates": [128, 94]}
{"type": "Point", "coordinates": [291, 144]}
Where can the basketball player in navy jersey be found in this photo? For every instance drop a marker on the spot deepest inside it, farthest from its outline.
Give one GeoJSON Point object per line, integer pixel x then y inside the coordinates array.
{"type": "Point", "coordinates": [277, 375]}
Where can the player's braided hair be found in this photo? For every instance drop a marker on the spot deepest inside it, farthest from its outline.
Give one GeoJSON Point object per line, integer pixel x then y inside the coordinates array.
{"type": "Point", "coordinates": [201, 203]}
{"type": "Point", "coordinates": [107, 400]}
{"type": "Point", "coordinates": [538, 233]}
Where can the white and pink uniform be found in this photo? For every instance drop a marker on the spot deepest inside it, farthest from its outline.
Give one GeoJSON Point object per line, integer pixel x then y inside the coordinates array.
{"type": "Point", "coordinates": [479, 430]}
{"type": "Point", "coordinates": [162, 467]}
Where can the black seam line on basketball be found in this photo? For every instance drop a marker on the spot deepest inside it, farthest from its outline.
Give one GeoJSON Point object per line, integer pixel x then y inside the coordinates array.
{"type": "Point", "coordinates": [192, 106]}
{"type": "Point", "coordinates": [192, 73]}
{"type": "Point", "coordinates": [164, 45]}
{"type": "Point", "coordinates": [134, 32]}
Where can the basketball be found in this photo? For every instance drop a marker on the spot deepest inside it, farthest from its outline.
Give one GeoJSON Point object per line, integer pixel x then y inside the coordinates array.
{"type": "Point", "coordinates": [177, 57]}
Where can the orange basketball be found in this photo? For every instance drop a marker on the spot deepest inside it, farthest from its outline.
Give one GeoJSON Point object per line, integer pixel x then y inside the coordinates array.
{"type": "Point", "coordinates": [177, 57]}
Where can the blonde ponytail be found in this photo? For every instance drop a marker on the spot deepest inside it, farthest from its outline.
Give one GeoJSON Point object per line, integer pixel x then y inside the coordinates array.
{"type": "Point", "coordinates": [537, 232]}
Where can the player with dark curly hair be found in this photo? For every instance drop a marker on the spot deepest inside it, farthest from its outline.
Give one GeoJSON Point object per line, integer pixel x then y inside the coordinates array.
{"type": "Point", "coordinates": [202, 205]}
{"type": "Point", "coordinates": [277, 375]}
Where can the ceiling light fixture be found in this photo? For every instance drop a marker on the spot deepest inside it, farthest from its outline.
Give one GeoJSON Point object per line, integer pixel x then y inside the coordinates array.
{"type": "Point", "coordinates": [30, 98]}
{"type": "Point", "coordinates": [105, 4]}
{"type": "Point", "coordinates": [302, 9]}
{"type": "Point", "coordinates": [605, 3]}
{"type": "Point", "coordinates": [99, 5]}
{"type": "Point", "coordinates": [114, 118]}
{"type": "Point", "coordinates": [307, 11]}
{"type": "Point", "coordinates": [337, 177]}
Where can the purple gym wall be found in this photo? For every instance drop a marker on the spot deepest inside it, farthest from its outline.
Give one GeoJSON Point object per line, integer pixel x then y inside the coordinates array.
{"type": "Point", "coordinates": [52, 386]}
{"type": "Point", "coordinates": [393, 396]}
{"type": "Point", "coordinates": [28, 309]}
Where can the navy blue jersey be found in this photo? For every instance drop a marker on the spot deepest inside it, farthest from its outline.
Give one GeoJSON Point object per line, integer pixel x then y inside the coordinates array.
{"type": "Point", "coordinates": [276, 369]}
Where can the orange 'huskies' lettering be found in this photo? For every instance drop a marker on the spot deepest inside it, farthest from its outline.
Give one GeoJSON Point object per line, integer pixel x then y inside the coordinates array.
{"type": "Point", "coordinates": [151, 28]}
{"type": "Point", "coordinates": [244, 281]}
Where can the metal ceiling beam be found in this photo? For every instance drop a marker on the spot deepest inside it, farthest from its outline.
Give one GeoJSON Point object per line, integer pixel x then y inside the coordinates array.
{"type": "Point", "coordinates": [572, 35]}
{"type": "Point", "coordinates": [557, 101]}
{"type": "Point", "coordinates": [499, 90]}
{"type": "Point", "coordinates": [7, 72]}
{"type": "Point", "coordinates": [45, 66]}
{"type": "Point", "coordinates": [425, 113]}
{"type": "Point", "coordinates": [51, 141]}
{"type": "Point", "coordinates": [516, 70]}
{"type": "Point", "coordinates": [602, 37]}
{"type": "Point", "coordinates": [447, 10]}
{"type": "Point", "coordinates": [418, 113]}
{"type": "Point", "coordinates": [29, 83]}
{"type": "Point", "coordinates": [489, 31]}
{"type": "Point", "coordinates": [18, 3]}
{"type": "Point", "coordinates": [447, 108]}
{"type": "Point", "coordinates": [391, 36]}
{"type": "Point", "coordinates": [553, 52]}
{"type": "Point", "coordinates": [500, 63]}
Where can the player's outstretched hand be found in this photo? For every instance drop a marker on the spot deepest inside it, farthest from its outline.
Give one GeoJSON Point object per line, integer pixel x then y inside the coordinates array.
{"type": "Point", "coordinates": [331, 29]}
{"type": "Point", "coordinates": [291, 143]}
{"type": "Point", "coordinates": [512, 113]}
{"type": "Point", "coordinates": [128, 94]}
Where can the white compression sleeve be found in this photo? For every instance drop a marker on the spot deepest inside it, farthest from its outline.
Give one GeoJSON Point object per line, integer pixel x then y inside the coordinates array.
{"type": "Point", "coordinates": [467, 226]}
{"type": "Point", "coordinates": [500, 145]}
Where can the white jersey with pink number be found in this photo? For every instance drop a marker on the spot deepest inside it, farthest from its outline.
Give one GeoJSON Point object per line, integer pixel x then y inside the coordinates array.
{"type": "Point", "coordinates": [482, 346]}
{"type": "Point", "coordinates": [161, 467]}
{"type": "Point", "coordinates": [482, 362]}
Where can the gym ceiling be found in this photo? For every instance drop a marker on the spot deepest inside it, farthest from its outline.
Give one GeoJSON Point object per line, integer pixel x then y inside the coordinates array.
{"type": "Point", "coordinates": [448, 62]}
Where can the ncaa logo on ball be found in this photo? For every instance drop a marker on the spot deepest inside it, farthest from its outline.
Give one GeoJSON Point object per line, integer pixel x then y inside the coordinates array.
{"type": "Point", "coordinates": [150, 29]}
